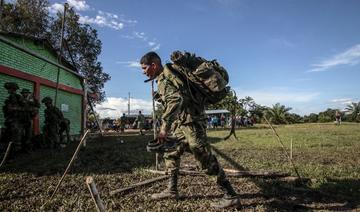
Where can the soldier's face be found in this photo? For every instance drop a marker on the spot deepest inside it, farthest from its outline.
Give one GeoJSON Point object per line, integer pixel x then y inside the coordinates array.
{"type": "Point", "coordinates": [11, 90]}
{"type": "Point", "coordinates": [149, 70]}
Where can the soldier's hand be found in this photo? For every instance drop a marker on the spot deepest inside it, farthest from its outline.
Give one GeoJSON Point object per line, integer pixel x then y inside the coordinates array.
{"type": "Point", "coordinates": [162, 137]}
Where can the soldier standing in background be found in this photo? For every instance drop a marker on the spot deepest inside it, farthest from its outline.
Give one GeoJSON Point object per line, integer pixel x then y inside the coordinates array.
{"type": "Point", "coordinates": [140, 122]}
{"type": "Point", "coordinates": [31, 109]}
{"type": "Point", "coordinates": [12, 110]}
{"type": "Point", "coordinates": [338, 117]}
{"type": "Point", "coordinates": [53, 118]}
{"type": "Point", "coordinates": [122, 123]}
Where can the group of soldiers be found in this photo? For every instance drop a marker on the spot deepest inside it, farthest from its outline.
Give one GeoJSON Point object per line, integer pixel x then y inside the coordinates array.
{"type": "Point", "coordinates": [19, 112]}
{"type": "Point", "coordinates": [123, 122]}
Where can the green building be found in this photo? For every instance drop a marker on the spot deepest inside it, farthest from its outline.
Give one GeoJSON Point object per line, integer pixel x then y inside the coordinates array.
{"type": "Point", "coordinates": [33, 64]}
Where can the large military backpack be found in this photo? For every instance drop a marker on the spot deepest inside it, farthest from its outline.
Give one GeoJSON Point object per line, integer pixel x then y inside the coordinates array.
{"type": "Point", "coordinates": [208, 78]}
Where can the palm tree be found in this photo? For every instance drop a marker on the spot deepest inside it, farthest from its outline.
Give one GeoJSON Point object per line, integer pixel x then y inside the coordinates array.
{"type": "Point", "coordinates": [354, 110]}
{"type": "Point", "coordinates": [278, 114]}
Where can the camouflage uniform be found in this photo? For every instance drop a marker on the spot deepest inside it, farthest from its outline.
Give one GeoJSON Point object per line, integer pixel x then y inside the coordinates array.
{"type": "Point", "coordinates": [12, 110]}
{"type": "Point", "coordinates": [187, 120]}
{"type": "Point", "coordinates": [64, 127]}
{"type": "Point", "coordinates": [140, 122]}
{"type": "Point", "coordinates": [31, 109]}
{"type": "Point", "coordinates": [122, 122]}
{"type": "Point", "coordinates": [53, 118]}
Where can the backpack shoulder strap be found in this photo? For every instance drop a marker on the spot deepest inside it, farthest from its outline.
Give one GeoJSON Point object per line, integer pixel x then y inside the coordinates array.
{"type": "Point", "coordinates": [174, 75]}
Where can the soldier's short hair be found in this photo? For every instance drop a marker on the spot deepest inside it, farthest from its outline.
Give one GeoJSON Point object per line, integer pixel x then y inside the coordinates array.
{"type": "Point", "coordinates": [11, 85]}
{"type": "Point", "coordinates": [150, 57]}
{"type": "Point", "coordinates": [25, 90]}
{"type": "Point", "coordinates": [46, 100]}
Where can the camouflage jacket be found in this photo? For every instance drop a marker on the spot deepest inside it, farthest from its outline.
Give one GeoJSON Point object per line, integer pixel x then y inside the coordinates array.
{"type": "Point", "coordinates": [31, 108]}
{"type": "Point", "coordinates": [13, 106]}
{"type": "Point", "coordinates": [140, 118]}
{"type": "Point", "coordinates": [53, 116]}
{"type": "Point", "coordinates": [178, 101]}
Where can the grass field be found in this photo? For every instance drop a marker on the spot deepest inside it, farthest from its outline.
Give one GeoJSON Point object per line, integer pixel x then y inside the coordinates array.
{"type": "Point", "coordinates": [326, 154]}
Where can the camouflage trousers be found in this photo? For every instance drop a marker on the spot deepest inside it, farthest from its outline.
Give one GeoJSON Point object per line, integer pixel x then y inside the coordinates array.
{"type": "Point", "coordinates": [52, 135]}
{"type": "Point", "coordinates": [64, 128]}
{"type": "Point", "coordinates": [27, 133]}
{"type": "Point", "coordinates": [193, 139]}
{"type": "Point", "coordinates": [13, 132]}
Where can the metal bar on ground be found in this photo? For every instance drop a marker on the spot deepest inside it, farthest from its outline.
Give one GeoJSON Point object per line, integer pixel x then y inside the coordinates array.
{"type": "Point", "coordinates": [68, 167]}
{"type": "Point", "coordinates": [146, 182]}
{"type": "Point", "coordinates": [6, 154]}
{"type": "Point", "coordinates": [230, 173]}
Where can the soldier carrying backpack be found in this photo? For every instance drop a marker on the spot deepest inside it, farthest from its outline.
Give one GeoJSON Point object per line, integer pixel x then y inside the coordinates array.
{"type": "Point", "coordinates": [185, 87]}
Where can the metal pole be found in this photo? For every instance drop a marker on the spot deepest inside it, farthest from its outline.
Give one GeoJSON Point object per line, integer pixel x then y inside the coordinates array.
{"type": "Point", "coordinates": [154, 123]}
{"type": "Point", "coordinates": [85, 103]}
{"type": "Point", "coordinates": [67, 168]}
{"type": "Point", "coordinates": [283, 147]}
{"type": "Point", "coordinates": [129, 105]}
{"type": "Point", "coordinates": [153, 107]}
{"type": "Point", "coordinates": [60, 53]}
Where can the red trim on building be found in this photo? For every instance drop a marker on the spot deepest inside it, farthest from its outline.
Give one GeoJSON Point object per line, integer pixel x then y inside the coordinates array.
{"type": "Point", "coordinates": [37, 82]}
{"type": "Point", "coordinates": [35, 79]}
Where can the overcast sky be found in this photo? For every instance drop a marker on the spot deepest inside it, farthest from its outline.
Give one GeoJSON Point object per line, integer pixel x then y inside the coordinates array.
{"type": "Point", "coordinates": [304, 54]}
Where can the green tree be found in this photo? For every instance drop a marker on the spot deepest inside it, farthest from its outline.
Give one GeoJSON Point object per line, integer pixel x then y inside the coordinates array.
{"type": "Point", "coordinates": [354, 111]}
{"type": "Point", "coordinates": [247, 104]}
{"type": "Point", "coordinates": [294, 118]}
{"type": "Point", "coordinates": [327, 116]}
{"type": "Point", "coordinates": [312, 118]}
{"type": "Point", "coordinates": [257, 112]}
{"type": "Point", "coordinates": [31, 18]}
{"type": "Point", "coordinates": [278, 114]}
{"type": "Point", "coordinates": [82, 48]}
{"type": "Point", "coordinates": [28, 17]}
{"type": "Point", "coordinates": [230, 102]}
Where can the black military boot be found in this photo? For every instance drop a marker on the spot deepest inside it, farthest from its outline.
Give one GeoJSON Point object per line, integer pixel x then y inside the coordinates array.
{"type": "Point", "coordinates": [170, 192]}
{"type": "Point", "coordinates": [230, 198]}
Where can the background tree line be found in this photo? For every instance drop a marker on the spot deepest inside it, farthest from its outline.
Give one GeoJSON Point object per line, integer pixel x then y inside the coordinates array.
{"type": "Point", "coordinates": [280, 114]}
{"type": "Point", "coordinates": [81, 44]}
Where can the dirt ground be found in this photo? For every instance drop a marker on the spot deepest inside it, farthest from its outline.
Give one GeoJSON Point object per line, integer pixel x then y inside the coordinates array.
{"type": "Point", "coordinates": [117, 161]}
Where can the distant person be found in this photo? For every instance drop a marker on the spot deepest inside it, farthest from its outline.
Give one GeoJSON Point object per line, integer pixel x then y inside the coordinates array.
{"type": "Point", "coordinates": [140, 120]}
{"type": "Point", "coordinates": [31, 109]}
{"type": "Point", "coordinates": [222, 121]}
{"type": "Point", "coordinates": [122, 123]}
{"type": "Point", "coordinates": [338, 117]}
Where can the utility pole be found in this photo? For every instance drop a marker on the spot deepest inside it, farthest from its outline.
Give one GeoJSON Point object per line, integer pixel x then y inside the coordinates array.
{"type": "Point", "coordinates": [66, 5]}
{"type": "Point", "coordinates": [129, 104]}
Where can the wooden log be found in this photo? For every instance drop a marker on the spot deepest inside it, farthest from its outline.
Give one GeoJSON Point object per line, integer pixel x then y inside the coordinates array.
{"type": "Point", "coordinates": [230, 173]}
{"type": "Point", "coordinates": [95, 194]}
{"type": "Point", "coordinates": [146, 182]}
{"type": "Point", "coordinates": [6, 154]}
